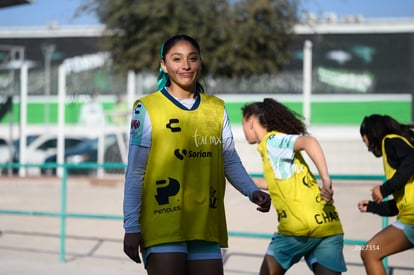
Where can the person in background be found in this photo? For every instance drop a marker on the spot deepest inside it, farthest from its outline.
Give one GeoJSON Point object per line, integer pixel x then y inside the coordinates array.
{"type": "Point", "coordinates": [309, 224]}
{"type": "Point", "coordinates": [181, 152]}
{"type": "Point", "coordinates": [92, 112]}
{"type": "Point", "coordinates": [394, 142]}
{"type": "Point", "coordinates": [120, 112]}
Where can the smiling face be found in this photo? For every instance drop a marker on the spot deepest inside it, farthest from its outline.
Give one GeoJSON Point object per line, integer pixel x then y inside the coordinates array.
{"type": "Point", "coordinates": [182, 63]}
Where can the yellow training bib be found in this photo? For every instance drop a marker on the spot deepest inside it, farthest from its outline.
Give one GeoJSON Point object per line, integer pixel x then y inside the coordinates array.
{"type": "Point", "coordinates": [405, 197]}
{"type": "Point", "coordinates": [184, 183]}
{"type": "Point", "coordinates": [297, 200]}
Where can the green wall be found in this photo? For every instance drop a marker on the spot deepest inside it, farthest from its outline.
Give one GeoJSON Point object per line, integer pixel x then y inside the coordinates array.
{"type": "Point", "coordinates": [36, 112]}
{"type": "Point", "coordinates": [338, 113]}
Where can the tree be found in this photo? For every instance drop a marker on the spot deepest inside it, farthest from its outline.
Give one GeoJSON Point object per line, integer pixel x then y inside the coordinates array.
{"type": "Point", "coordinates": [259, 32]}
{"type": "Point", "coordinates": [237, 37]}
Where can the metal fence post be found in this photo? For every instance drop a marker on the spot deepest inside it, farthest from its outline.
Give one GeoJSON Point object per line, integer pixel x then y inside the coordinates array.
{"type": "Point", "coordinates": [63, 214]}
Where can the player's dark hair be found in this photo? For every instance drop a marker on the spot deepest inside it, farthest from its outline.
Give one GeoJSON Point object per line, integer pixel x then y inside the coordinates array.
{"type": "Point", "coordinates": [275, 116]}
{"type": "Point", "coordinates": [376, 127]}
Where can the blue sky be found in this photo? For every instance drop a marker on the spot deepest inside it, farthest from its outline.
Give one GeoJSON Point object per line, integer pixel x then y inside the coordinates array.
{"type": "Point", "coordinates": [367, 8]}
{"type": "Point", "coordinates": [42, 12]}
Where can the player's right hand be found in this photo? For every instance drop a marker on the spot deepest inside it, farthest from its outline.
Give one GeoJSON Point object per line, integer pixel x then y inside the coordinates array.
{"type": "Point", "coordinates": [133, 244]}
{"type": "Point", "coordinates": [362, 206]}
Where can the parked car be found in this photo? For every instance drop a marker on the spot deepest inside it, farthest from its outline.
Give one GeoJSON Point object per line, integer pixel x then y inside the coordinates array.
{"type": "Point", "coordinates": [115, 145]}
{"type": "Point", "coordinates": [5, 154]}
{"type": "Point", "coordinates": [16, 145]}
{"type": "Point", "coordinates": [4, 151]}
{"type": "Point", "coordinates": [9, 152]}
{"type": "Point", "coordinates": [40, 147]}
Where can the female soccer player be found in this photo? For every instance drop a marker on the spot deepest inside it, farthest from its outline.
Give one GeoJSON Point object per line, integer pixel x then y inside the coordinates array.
{"type": "Point", "coordinates": [394, 142]}
{"type": "Point", "coordinates": [181, 150]}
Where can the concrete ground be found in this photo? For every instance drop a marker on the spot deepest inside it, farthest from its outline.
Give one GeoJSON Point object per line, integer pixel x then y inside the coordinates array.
{"type": "Point", "coordinates": [31, 244]}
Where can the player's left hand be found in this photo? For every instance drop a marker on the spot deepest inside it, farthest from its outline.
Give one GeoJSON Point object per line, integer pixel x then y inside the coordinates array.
{"type": "Point", "coordinates": [262, 199]}
{"type": "Point", "coordinates": [327, 193]}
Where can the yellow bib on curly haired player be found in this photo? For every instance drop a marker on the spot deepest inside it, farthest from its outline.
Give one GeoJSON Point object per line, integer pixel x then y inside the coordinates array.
{"type": "Point", "coordinates": [297, 200]}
